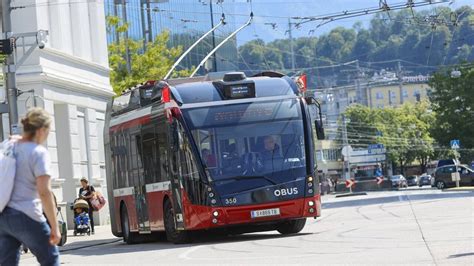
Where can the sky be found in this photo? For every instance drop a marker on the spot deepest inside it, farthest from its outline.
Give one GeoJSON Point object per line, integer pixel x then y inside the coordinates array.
{"type": "Point", "coordinates": [276, 12]}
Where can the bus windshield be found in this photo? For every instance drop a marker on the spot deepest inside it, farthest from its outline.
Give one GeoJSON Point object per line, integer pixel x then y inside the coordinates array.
{"type": "Point", "coordinates": [262, 140]}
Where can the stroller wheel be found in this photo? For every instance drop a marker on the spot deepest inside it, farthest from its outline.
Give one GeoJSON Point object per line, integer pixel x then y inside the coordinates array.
{"type": "Point", "coordinates": [75, 233]}
{"type": "Point", "coordinates": [88, 233]}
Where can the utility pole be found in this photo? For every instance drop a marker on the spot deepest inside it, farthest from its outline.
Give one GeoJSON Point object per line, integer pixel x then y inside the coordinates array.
{"type": "Point", "coordinates": [361, 92]}
{"type": "Point", "coordinates": [148, 16]}
{"type": "Point", "coordinates": [400, 81]}
{"type": "Point", "coordinates": [346, 169]}
{"type": "Point", "coordinates": [290, 34]}
{"type": "Point", "coordinates": [214, 57]}
{"type": "Point", "coordinates": [117, 34]}
{"type": "Point", "coordinates": [142, 19]}
{"type": "Point", "coordinates": [9, 70]}
{"type": "Point", "coordinates": [127, 48]}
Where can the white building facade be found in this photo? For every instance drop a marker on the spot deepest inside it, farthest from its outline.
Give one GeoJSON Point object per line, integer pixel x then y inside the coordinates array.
{"type": "Point", "coordinates": [70, 79]}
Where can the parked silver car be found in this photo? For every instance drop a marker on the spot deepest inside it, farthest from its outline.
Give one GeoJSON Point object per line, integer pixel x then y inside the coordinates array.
{"type": "Point", "coordinates": [399, 181]}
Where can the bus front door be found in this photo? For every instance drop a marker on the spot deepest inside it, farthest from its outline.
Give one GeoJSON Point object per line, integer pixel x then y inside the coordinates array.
{"type": "Point", "coordinates": [175, 140]}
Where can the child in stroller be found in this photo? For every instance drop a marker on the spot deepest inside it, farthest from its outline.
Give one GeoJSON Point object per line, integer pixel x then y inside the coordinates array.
{"type": "Point", "coordinates": [81, 217]}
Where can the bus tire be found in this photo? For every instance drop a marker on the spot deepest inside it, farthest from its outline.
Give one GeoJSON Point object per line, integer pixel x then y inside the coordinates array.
{"type": "Point", "coordinates": [173, 235]}
{"type": "Point", "coordinates": [128, 237]}
{"type": "Point", "coordinates": [291, 227]}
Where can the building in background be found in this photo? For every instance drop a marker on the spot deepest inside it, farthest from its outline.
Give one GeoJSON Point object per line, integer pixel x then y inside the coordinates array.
{"type": "Point", "coordinates": [70, 79]}
{"type": "Point", "coordinates": [382, 90]}
{"type": "Point", "coordinates": [186, 21]}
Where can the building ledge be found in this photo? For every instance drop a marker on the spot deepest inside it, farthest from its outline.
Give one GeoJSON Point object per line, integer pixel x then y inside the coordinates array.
{"type": "Point", "coordinates": [75, 60]}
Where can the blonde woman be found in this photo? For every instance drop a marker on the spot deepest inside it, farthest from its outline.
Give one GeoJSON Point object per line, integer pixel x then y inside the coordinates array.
{"type": "Point", "coordinates": [23, 221]}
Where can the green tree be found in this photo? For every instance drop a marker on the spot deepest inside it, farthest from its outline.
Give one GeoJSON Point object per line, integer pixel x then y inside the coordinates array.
{"type": "Point", "coordinates": [151, 64]}
{"type": "Point", "coordinates": [453, 101]}
{"type": "Point", "coordinates": [404, 131]}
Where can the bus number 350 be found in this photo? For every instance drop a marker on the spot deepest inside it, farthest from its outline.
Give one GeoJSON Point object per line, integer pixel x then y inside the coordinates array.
{"type": "Point", "coordinates": [231, 201]}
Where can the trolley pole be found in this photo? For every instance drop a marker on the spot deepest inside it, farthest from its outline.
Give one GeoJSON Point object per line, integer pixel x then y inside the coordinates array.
{"type": "Point", "coordinates": [9, 70]}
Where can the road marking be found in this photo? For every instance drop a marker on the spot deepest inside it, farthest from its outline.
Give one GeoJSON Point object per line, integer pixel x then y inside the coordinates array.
{"type": "Point", "coordinates": [402, 198]}
{"type": "Point", "coordinates": [185, 254]}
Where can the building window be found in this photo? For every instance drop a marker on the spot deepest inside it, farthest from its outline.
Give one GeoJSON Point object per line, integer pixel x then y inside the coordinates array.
{"type": "Point", "coordinates": [332, 155]}
{"type": "Point", "coordinates": [83, 134]}
{"type": "Point", "coordinates": [405, 93]}
{"type": "Point", "coordinates": [392, 95]}
{"type": "Point", "coordinates": [100, 138]}
{"type": "Point", "coordinates": [380, 105]}
{"type": "Point", "coordinates": [379, 95]}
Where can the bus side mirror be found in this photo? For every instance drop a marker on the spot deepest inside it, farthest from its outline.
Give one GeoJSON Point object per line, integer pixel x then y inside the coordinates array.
{"type": "Point", "coordinates": [319, 129]}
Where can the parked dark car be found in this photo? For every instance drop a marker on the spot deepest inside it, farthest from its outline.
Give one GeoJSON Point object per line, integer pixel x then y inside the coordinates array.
{"type": "Point", "coordinates": [424, 179]}
{"type": "Point", "coordinates": [443, 178]}
{"type": "Point", "coordinates": [412, 180]}
{"type": "Point", "coordinates": [398, 181]}
{"type": "Point", "coordinates": [445, 162]}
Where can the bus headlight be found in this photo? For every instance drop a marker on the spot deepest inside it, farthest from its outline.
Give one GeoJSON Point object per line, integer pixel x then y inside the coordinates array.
{"type": "Point", "coordinates": [310, 179]}
{"type": "Point", "coordinates": [311, 203]}
{"type": "Point", "coordinates": [214, 221]}
{"type": "Point", "coordinates": [311, 210]}
{"type": "Point", "coordinates": [215, 213]}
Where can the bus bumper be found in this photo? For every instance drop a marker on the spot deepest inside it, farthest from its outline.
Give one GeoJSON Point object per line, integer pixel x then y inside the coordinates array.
{"type": "Point", "coordinates": [205, 217]}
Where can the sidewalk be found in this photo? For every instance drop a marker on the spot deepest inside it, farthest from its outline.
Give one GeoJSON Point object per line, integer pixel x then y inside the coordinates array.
{"type": "Point", "coordinates": [471, 188]}
{"type": "Point", "coordinates": [102, 236]}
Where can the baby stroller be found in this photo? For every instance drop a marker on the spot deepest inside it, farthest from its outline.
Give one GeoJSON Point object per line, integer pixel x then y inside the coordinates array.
{"type": "Point", "coordinates": [81, 217]}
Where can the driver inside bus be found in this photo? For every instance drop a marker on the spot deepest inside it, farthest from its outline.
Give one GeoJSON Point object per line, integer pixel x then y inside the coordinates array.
{"type": "Point", "coordinates": [271, 153]}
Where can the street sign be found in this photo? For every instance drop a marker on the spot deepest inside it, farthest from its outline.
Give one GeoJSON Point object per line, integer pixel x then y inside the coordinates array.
{"type": "Point", "coordinates": [346, 150]}
{"type": "Point", "coordinates": [350, 183]}
{"type": "Point", "coordinates": [376, 149]}
{"type": "Point", "coordinates": [379, 180]}
{"type": "Point", "coordinates": [455, 144]}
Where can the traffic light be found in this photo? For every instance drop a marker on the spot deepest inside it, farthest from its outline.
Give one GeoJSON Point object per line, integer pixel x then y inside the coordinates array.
{"type": "Point", "coordinates": [6, 46]}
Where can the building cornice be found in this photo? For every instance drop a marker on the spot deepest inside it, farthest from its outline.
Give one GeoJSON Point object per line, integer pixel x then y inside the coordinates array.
{"type": "Point", "coordinates": [75, 60]}
{"type": "Point", "coordinates": [97, 89]}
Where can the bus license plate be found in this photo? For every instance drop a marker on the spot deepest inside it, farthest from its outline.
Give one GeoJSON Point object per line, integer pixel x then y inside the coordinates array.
{"type": "Point", "coordinates": [265, 213]}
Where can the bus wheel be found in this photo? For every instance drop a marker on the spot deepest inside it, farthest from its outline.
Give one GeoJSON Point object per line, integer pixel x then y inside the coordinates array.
{"type": "Point", "coordinates": [291, 227]}
{"type": "Point", "coordinates": [128, 237]}
{"type": "Point", "coordinates": [173, 235]}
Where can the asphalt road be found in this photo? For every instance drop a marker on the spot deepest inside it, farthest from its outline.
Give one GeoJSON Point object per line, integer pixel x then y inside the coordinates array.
{"type": "Point", "coordinates": [417, 227]}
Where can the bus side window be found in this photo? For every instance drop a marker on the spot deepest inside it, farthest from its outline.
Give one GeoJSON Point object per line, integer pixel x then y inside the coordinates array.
{"type": "Point", "coordinates": [162, 156]}
{"type": "Point", "coordinates": [149, 152]}
{"type": "Point", "coordinates": [133, 157]}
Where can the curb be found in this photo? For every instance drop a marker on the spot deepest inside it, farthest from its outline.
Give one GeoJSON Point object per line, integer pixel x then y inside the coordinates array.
{"type": "Point", "coordinates": [351, 194]}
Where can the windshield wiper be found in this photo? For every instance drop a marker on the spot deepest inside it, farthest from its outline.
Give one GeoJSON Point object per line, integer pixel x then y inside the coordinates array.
{"type": "Point", "coordinates": [243, 177]}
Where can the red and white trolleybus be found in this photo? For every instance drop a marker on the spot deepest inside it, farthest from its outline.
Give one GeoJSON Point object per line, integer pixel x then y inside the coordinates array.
{"type": "Point", "coordinates": [199, 154]}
